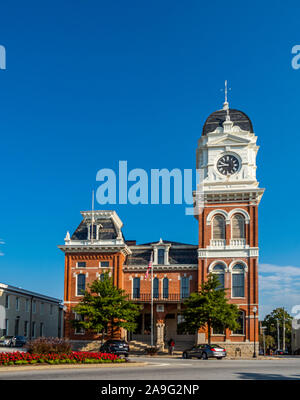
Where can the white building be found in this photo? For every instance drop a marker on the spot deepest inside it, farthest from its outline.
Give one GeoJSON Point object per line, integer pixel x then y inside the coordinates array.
{"type": "Point", "coordinates": [29, 314]}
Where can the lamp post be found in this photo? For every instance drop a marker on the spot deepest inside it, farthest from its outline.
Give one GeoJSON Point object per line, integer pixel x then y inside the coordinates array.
{"type": "Point", "coordinates": [254, 312]}
{"type": "Point", "coordinates": [263, 328]}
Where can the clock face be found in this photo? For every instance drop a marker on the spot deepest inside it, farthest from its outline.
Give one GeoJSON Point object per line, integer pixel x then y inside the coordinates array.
{"type": "Point", "coordinates": [228, 165]}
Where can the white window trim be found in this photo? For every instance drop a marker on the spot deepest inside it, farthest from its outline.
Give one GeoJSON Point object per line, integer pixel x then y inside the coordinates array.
{"type": "Point", "coordinates": [81, 266]}
{"type": "Point", "coordinates": [76, 279]}
{"type": "Point", "coordinates": [100, 266]}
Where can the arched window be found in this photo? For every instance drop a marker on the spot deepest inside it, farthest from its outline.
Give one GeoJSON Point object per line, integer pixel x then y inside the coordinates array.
{"type": "Point", "coordinates": [238, 227]}
{"type": "Point", "coordinates": [219, 271]}
{"type": "Point", "coordinates": [218, 227]}
{"type": "Point", "coordinates": [136, 288]}
{"type": "Point", "coordinates": [80, 284]}
{"type": "Point", "coordinates": [238, 281]}
{"type": "Point", "coordinates": [241, 322]}
{"type": "Point", "coordinates": [155, 288]}
{"type": "Point", "coordinates": [165, 288]}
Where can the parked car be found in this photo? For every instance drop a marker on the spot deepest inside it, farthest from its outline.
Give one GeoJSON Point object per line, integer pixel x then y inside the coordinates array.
{"type": "Point", "coordinates": [5, 340]}
{"type": "Point", "coordinates": [205, 351]}
{"type": "Point", "coordinates": [279, 352]}
{"type": "Point", "coordinates": [119, 347]}
{"type": "Point", "coordinates": [14, 341]}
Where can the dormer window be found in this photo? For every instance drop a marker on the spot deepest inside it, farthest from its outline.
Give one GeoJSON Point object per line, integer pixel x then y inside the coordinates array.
{"type": "Point", "coordinates": [93, 232]}
{"type": "Point", "coordinates": [161, 256]}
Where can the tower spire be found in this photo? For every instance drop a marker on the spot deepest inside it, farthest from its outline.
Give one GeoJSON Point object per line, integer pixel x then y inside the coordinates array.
{"type": "Point", "coordinates": [226, 104]}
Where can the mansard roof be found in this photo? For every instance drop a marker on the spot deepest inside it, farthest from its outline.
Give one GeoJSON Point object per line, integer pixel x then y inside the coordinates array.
{"type": "Point", "coordinates": [107, 231]}
{"type": "Point", "coordinates": [179, 253]}
{"type": "Point", "coordinates": [217, 118]}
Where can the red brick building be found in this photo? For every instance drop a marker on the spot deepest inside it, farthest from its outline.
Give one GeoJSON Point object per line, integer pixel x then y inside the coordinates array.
{"type": "Point", "coordinates": [226, 201]}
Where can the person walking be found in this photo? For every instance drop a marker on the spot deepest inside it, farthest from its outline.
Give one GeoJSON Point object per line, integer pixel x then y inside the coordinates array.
{"type": "Point", "coordinates": [171, 345]}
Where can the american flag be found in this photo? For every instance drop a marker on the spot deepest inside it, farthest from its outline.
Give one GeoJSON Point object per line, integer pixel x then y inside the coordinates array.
{"type": "Point", "coordinates": [149, 265]}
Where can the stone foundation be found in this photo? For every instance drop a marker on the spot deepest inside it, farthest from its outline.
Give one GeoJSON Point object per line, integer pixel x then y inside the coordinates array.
{"type": "Point", "coordinates": [85, 345]}
{"type": "Point", "coordinates": [239, 349]}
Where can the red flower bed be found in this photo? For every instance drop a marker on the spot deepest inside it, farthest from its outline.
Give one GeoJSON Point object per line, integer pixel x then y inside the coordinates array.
{"type": "Point", "coordinates": [75, 356]}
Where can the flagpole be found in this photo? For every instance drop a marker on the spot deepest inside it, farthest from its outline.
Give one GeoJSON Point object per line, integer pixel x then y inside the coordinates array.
{"type": "Point", "coordinates": [152, 306]}
{"type": "Point", "coordinates": [92, 227]}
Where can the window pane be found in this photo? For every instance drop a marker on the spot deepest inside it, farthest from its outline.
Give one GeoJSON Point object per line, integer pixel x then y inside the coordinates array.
{"type": "Point", "coordinates": [104, 264]}
{"type": "Point", "coordinates": [155, 288]}
{"type": "Point", "coordinates": [81, 264]}
{"type": "Point", "coordinates": [160, 256]}
{"type": "Point", "coordinates": [238, 227]}
{"type": "Point", "coordinates": [93, 231]}
{"type": "Point", "coordinates": [221, 280]}
{"type": "Point", "coordinates": [165, 288]}
{"type": "Point", "coordinates": [80, 284]}
{"type": "Point", "coordinates": [185, 287]}
{"type": "Point", "coordinates": [136, 288]}
{"type": "Point", "coordinates": [238, 285]}
{"type": "Point", "coordinates": [218, 227]}
{"type": "Point", "coordinates": [219, 271]}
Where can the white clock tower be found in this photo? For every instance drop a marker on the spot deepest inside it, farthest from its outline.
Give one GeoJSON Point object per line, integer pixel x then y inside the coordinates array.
{"type": "Point", "coordinates": [228, 219]}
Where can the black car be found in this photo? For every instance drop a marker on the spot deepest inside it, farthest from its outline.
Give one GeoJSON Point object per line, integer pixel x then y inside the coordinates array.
{"type": "Point", "coordinates": [119, 347]}
{"type": "Point", "coordinates": [205, 351]}
{"type": "Point", "coordinates": [17, 341]}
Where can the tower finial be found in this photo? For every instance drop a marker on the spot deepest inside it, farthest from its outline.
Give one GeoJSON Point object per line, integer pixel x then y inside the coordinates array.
{"type": "Point", "coordinates": [226, 104]}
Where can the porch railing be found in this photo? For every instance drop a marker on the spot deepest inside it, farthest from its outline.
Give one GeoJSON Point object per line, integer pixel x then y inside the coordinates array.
{"type": "Point", "coordinates": [146, 297]}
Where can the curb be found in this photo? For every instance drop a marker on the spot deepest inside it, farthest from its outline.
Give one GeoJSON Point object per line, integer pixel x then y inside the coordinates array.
{"type": "Point", "coordinates": [16, 368]}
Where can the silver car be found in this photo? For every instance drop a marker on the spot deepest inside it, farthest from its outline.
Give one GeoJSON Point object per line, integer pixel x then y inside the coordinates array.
{"type": "Point", "coordinates": [205, 351]}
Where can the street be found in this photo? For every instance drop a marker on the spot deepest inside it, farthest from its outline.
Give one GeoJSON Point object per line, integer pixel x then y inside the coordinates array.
{"type": "Point", "coordinates": [174, 369]}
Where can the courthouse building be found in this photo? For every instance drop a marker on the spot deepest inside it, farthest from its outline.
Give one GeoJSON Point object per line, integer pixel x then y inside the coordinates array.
{"type": "Point", "coordinates": [227, 245]}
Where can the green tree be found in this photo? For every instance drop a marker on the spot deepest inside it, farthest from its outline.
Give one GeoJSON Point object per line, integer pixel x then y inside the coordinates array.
{"type": "Point", "coordinates": [270, 322]}
{"type": "Point", "coordinates": [105, 307]}
{"type": "Point", "coordinates": [269, 342]}
{"type": "Point", "coordinates": [209, 307]}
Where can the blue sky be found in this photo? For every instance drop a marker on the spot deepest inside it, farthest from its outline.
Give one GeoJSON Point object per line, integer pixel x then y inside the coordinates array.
{"type": "Point", "coordinates": [90, 83]}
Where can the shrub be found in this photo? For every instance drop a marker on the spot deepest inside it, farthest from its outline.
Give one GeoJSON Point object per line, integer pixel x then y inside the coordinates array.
{"type": "Point", "coordinates": [50, 345]}
{"type": "Point", "coordinates": [151, 350]}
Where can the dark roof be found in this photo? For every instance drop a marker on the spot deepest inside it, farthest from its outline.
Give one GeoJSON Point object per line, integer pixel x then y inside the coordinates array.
{"type": "Point", "coordinates": [107, 231]}
{"type": "Point", "coordinates": [218, 117]}
{"type": "Point", "coordinates": [176, 256]}
{"type": "Point", "coordinates": [165, 242]}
